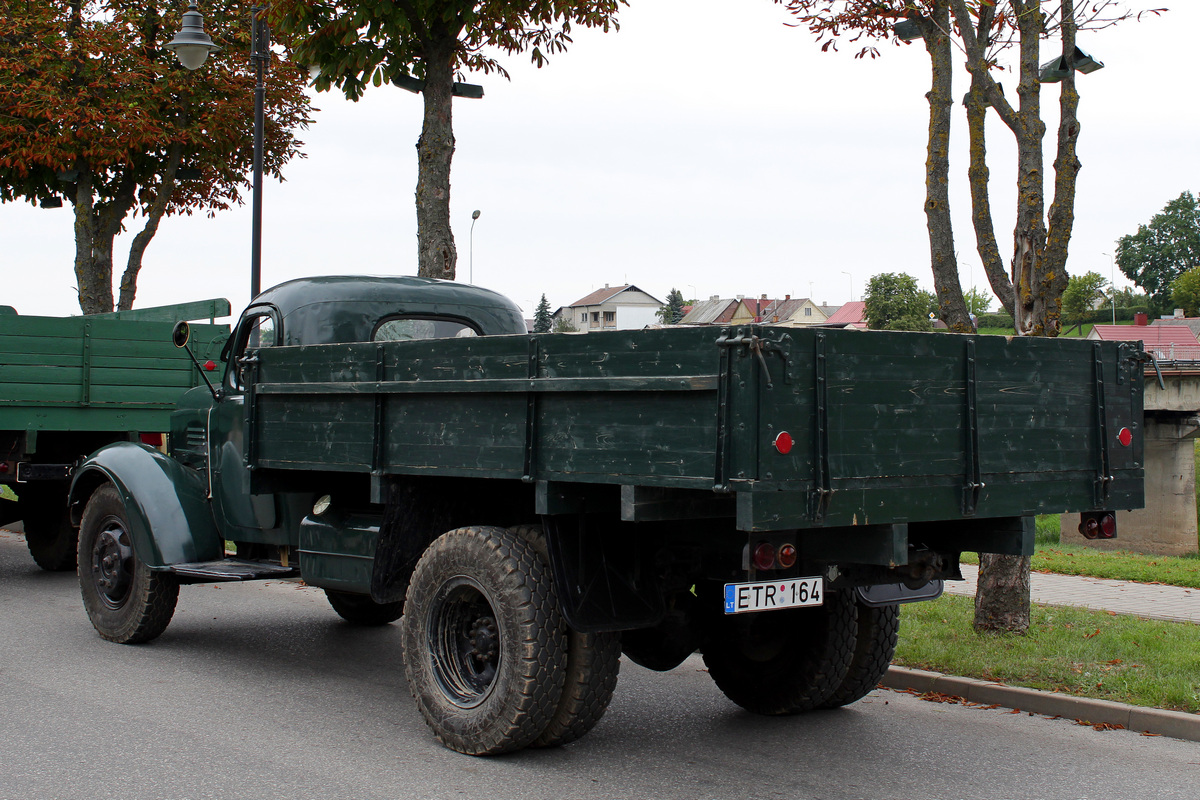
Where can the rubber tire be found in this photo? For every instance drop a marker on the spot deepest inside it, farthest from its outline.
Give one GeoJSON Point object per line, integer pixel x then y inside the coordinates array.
{"type": "Point", "coordinates": [783, 662]}
{"type": "Point", "coordinates": [49, 534]}
{"type": "Point", "coordinates": [143, 611]}
{"type": "Point", "coordinates": [593, 664]}
{"type": "Point", "coordinates": [506, 579]}
{"type": "Point", "coordinates": [360, 609]}
{"type": "Point", "coordinates": [878, 632]}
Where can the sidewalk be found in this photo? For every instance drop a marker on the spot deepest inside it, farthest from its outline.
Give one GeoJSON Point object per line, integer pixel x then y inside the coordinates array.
{"type": "Point", "coordinates": [1151, 601]}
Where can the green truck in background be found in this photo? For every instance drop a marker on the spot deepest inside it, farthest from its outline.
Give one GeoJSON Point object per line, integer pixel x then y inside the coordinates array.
{"type": "Point", "coordinates": [69, 385]}
{"type": "Point", "coordinates": [531, 506]}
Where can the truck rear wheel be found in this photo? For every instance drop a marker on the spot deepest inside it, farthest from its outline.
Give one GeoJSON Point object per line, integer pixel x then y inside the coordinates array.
{"type": "Point", "coordinates": [593, 662]}
{"type": "Point", "coordinates": [51, 538]}
{"type": "Point", "coordinates": [359, 609]}
{"type": "Point", "coordinates": [484, 648]}
{"type": "Point", "coordinates": [878, 630]}
{"type": "Point", "coordinates": [783, 662]}
{"type": "Point", "coordinates": [126, 601]}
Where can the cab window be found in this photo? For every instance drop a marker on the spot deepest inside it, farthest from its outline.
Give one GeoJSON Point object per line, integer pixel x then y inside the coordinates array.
{"type": "Point", "coordinates": [256, 330]}
{"type": "Point", "coordinates": [402, 329]}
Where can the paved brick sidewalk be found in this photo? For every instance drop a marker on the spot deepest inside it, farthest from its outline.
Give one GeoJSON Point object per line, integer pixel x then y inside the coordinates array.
{"type": "Point", "coordinates": [1147, 600]}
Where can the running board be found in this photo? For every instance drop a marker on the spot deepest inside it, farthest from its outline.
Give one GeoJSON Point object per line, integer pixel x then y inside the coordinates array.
{"type": "Point", "coordinates": [231, 569]}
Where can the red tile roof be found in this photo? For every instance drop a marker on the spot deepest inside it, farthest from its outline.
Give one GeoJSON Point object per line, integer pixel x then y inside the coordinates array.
{"type": "Point", "coordinates": [1165, 334]}
{"type": "Point", "coordinates": [853, 313]}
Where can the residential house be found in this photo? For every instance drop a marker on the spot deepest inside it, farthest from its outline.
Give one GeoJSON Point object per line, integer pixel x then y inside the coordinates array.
{"type": "Point", "coordinates": [1167, 342]}
{"type": "Point", "coordinates": [852, 316]}
{"type": "Point", "coordinates": [713, 311]}
{"type": "Point", "coordinates": [793, 312]}
{"type": "Point", "coordinates": [614, 308]}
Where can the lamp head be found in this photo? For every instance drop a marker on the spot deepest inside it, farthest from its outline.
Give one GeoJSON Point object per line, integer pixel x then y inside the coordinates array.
{"type": "Point", "coordinates": [192, 45]}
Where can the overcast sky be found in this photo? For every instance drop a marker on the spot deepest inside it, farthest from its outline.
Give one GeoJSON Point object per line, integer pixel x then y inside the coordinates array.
{"type": "Point", "coordinates": [704, 148]}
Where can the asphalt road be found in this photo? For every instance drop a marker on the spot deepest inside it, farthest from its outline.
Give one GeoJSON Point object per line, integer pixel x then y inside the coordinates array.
{"type": "Point", "coordinates": [260, 691]}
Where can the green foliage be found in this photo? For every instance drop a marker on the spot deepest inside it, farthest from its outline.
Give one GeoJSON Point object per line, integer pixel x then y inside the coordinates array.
{"type": "Point", "coordinates": [542, 320]}
{"type": "Point", "coordinates": [1185, 292]}
{"type": "Point", "coordinates": [1081, 295]}
{"type": "Point", "coordinates": [356, 43]}
{"type": "Point", "coordinates": [1164, 249]}
{"type": "Point", "coordinates": [93, 110]}
{"type": "Point", "coordinates": [564, 325]}
{"type": "Point", "coordinates": [672, 312]}
{"type": "Point", "coordinates": [978, 300]}
{"type": "Point", "coordinates": [1073, 650]}
{"type": "Point", "coordinates": [893, 302]}
{"type": "Point", "coordinates": [997, 320]}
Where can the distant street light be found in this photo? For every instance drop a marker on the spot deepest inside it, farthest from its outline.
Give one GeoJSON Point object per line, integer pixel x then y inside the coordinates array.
{"type": "Point", "coordinates": [192, 46]}
{"type": "Point", "coordinates": [851, 277]}
{"type": "Point", "coordinates": [1112, 268]}
{"type": "Point", "coordinates": [474, 216]}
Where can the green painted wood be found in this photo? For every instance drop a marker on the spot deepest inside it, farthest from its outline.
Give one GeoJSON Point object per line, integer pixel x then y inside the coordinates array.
{"type": "Point", "coordinates": [96, 373]}
{"type": "Point", "coordinates": [640, 409]}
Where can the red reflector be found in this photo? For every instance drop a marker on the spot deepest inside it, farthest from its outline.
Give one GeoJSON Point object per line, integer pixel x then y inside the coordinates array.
{"type": "Point", "coordinates": [787, 556]}
{"type": "Point", "coordinates": [3, 467]}
{"type": "Point", "coordinates": [210, 365]}
{"type": "Point", "coordinates": [152, 439]}
{"type": "Point", "coordinates": [1108, 526]}
{"type": "Point", "coordinates": [1125, 437]}
{"type": "Point", "coordinates": [783, 442]}
{"type": "Point", "coordinates": [764, 556]}
{"type": "Point", "coordinates": [1089, 528]}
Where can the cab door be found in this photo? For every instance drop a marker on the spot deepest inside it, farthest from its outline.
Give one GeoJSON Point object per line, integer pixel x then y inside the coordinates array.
{"type": "Point", "coordinates": [240, 515]}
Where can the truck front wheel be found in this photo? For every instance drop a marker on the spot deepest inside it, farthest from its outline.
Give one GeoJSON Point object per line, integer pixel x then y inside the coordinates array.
{"type": "Point", "coordinates": [126, 601]}
{"type": "Point", "coordinates": [783, 662]}
{"type": "Point", "coordinates": [484, 648]}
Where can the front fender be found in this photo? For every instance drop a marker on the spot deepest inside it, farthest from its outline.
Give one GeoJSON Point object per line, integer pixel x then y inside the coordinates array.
{"type": "Point", "coordinates": [169, 514]}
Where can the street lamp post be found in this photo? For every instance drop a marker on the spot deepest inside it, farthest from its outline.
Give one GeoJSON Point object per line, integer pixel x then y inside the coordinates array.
{"type": "Point", "coordinates": [474, 216]}
{"type": "Point", "coordinates": [1112, 268]}
{"type": "Point", "coordinates": [851, 277]}
{"type": "Point", "coordinates": [192, 46]}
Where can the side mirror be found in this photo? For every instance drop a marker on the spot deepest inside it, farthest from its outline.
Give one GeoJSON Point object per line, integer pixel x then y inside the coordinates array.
{"type": "Point", "coordinates": [181, 333]}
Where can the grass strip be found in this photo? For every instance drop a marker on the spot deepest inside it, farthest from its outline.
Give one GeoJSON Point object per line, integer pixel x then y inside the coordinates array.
{"type": "Point", "coordinates": [1072, 650]}
{"type": "Point", "coordinates": [1118, 565]}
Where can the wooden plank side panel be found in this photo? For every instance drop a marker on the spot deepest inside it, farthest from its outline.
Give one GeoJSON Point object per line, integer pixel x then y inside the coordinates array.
{"type": "Point", "coordinates": [335, 431]}
{"type": "Point", "coordinates": [639, 434]}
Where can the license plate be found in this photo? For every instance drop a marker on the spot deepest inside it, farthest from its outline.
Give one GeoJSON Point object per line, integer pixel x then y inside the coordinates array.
{"type": "Point", "coordinates": [771, 595]}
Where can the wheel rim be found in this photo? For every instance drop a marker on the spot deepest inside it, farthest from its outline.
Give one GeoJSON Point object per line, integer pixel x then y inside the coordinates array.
{"type": "Point", "coordinates": [465, 641]}
{"type": "Point", "coordinates": [112, 563]}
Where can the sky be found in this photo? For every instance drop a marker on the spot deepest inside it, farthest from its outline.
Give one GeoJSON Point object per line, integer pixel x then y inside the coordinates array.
{"type": "Point", "coordinates": [706, 146]}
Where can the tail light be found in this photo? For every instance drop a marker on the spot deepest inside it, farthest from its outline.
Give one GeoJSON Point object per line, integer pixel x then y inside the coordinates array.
{"type": "Point", "coordinates": [1098, 525]}
{"type": "Point", "coordinates": [764, 556]}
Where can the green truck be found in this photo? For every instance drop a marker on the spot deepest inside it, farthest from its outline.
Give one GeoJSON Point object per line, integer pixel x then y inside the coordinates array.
{"type": "Point", "coordinates": [69, 385]}
{"type": "Point", "coordinates": [530, 506]}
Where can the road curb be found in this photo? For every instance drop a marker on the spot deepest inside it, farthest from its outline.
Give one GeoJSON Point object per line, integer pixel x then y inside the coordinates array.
{"type": "Point", "coordinates": [1176, 724]}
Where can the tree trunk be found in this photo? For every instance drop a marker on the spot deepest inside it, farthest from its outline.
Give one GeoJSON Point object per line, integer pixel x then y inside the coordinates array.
{"type": "Point", "coordinates": [436, 254]}
{"type": "Point", "coordinates": [1066, 167]}
{"type": "Point", "coordinates": [1029, 236]}
{"type": "Point", "coordinates": [1002, 596]}
{"type": "Point", "coordinates": [985, 93]}
{"type": "Point", "coordinates": [981, 207]}
{"type": "Point", "coordinates": [154, 215]}
{"type": "Point", "coordinates": [94, 288]}
{"type": "Point", "coordinates": [951, 306]}
{"type": "Point", "coordinates": [96, 226]}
